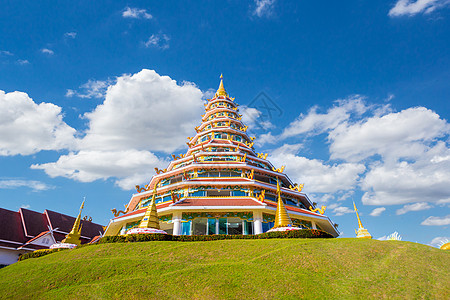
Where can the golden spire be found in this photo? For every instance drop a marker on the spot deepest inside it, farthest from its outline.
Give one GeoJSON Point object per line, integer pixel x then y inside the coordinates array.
{"type": "Point", "coordinates": [74, 235]}
{"type": "Point", "coordinates": [221, 91]}
{"type": "Point", "coordinates": [281, 215]}
{"type": "Point", "coordinates": [361, 232]}
{"type": "Point", "coordinates": [151, 219]}
{"type": "Point", "coordinates": [357, 215]}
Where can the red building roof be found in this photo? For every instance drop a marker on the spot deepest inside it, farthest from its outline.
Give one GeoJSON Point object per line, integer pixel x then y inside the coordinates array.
{"type": "Point", "coordinates": [22, 227]}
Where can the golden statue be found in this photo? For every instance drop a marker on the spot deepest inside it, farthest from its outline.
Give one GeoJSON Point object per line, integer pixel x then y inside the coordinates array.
{"type": "Point", "coordinates": [361, 232]}
{"type": "Point", "coordinates": [261, 196]}
{"type": "Point", "coordinates": [280, 170]}
{"type": "Point", "coordinates": [321, 210]}
{"type": "Point", "coordinates": [297, 187]}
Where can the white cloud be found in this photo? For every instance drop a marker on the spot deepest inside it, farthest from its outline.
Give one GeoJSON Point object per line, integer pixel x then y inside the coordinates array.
{"type": "Point", "coordinates": [342, 210]}
{"type": "Point", "coordinates": [27, 127]}
{"type": "Point", "coordinates": [26, 206]}
{"type": "Point", "coordinates": [159, 40]}
{"type": "Point", "coordinates": [317, 176]}
{"type": "Point", "coordinates": [436, 221]}
{"type": "Point", "coordinates": [383, 238]}
{"type": "Point", "coordinates": [252, 117]}
{"type": "Point", "coordinates": [377, 211]}
{"type": "Point", "coordinates": [71, 35]}
{"type": "Point", "coordinates": [411, 7]}
{"type": "Point", "coordinates": [91, 89]}
{"type": "Point", "coordinates": [23, 62]}
{"type": "Point", "coordinates": [19, 183]}
{"type": "Point", "coordinates": [47, 51]}
{"type": "Point", "coordinates": [136, 13]}
{"type": "Point", "coordinates": [144, 111]}
{"type": "Point", "coordinates": [141, 113]}
{"type": "Point", "coordinates": [5, 52]}
{"type": "Point", "coordinates": [316, 123]}
{"type": "Point", "coordinates": [413, 207]}
{"type": "Point", "coordinates": [395, 135]}
{"type": "Point", "coordinates": [129, 167]}
{"type": "Point", "coordinates": [408, 182]}
{"type": "Point", "coordinates": [264, 8]}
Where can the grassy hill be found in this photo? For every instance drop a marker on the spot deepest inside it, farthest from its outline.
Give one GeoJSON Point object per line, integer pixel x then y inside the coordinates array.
{"type": "Point", "coordinates": [235, 269]}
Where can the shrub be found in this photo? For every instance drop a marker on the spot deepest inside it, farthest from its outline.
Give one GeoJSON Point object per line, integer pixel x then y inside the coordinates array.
{"type": "Point", "coordinates": [304, 233]}
{"type": "Point", "coordinates": [38, 253]}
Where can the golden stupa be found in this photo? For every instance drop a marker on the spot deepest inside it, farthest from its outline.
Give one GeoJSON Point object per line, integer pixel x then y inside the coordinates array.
{"type": "Point", "coordinates": [361, 232]}
{"type": "Point", "coordinates": [281, 215]}
{"type": "Point", "coordinates": [74, 235]}
{"type": "Point", "coordinates": [150, 219]}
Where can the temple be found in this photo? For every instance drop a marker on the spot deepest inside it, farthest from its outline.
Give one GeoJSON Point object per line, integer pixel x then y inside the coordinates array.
{"type": "Point", "coordinates": [220, 185]}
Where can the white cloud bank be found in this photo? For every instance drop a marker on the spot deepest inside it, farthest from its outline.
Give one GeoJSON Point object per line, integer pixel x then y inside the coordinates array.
{"type": "Point", "coordinates": [436, 221]}
{"type": "Point", "coordinates": [411, 7]}
{"type": "Point", "coordinates": [27, 127]}
{"type": "Point", "coordinates": [317, 176]}
{"type": "Point", "coordinates": [141, 113]}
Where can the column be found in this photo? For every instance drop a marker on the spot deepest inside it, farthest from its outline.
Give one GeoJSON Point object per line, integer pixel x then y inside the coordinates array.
{"type": "Point", "coordinates": [123, 230]}
{"type": "Point", "coordinates": [257, 222]}
{"type": "Point", "coordinates": [176, 219]}
{"type": "Point", "coordinates": [313, 225]}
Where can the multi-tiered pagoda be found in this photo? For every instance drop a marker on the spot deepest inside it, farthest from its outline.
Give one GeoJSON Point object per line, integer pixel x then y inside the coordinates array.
{"type": "Point", "coordinates": [220, 185]}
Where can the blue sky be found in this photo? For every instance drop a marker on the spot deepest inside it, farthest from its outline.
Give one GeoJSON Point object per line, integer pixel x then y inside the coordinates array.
{"type": "Point", "coordinates": [353, 97]}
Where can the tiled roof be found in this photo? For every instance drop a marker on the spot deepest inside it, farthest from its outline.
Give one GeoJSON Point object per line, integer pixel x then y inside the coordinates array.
{"type": "Point", "coordinates": [11, 226]}
{"type": "Point", "coordinates": [33, 221]}
{"type": "Point", "coordinates": [65, 223]}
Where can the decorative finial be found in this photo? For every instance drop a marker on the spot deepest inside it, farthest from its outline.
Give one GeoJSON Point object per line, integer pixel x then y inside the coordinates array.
{"type": "Point", "coordinates": [221, 91]}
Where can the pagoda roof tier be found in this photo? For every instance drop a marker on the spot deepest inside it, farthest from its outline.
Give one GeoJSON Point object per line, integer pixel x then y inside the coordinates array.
{"type": "Point", "coordinates": [198, 156]}
{"type": "Point", "coordinates": [219, 109]}
{"type": "Point", "coordinates": [220, 129]}
{"type": "Point", "coordinates": [219, 182]}
{"type": "Point", "coordinates": [212, 165]}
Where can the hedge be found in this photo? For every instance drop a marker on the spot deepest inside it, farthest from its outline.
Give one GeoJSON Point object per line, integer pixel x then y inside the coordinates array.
{"type": "Point", "coordinates": [38, 253]}
{"type": "Point", "coordinates": [305, 233]}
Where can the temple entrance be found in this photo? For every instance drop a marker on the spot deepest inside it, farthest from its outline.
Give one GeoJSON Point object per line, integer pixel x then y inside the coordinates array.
{"type": "Point", "coordinates": [205, 226]}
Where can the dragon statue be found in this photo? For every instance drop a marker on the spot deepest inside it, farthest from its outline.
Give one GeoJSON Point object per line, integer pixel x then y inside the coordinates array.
{"type": "Point", "coordinates": [159, 171]}
{"type": "Point", "coordinates": [117, 213]}
{"type": "Point", "coordinates": [262, 155]}
{"type": "Point", "coordinates": [261, 196]}
{"type": "Point", "coordinates": [280, 170]}
{"type": "Point", "coordinates": [321, 210]}
{"type": "Point", "coordinates": [297, 187]}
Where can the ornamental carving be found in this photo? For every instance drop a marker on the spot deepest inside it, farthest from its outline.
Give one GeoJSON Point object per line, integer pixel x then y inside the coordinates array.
{"type": "Point", "coordinates": [321, 210]}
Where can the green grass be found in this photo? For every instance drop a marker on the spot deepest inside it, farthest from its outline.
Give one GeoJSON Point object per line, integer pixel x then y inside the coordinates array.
{"type": "Point", "coordinates": [235, 269]}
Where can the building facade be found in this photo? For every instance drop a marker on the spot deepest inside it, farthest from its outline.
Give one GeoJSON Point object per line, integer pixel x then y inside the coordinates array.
{"type": "Point", "coordinates": [27, 230]}
{"type": "Point", "coordinates": [220, 185]}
